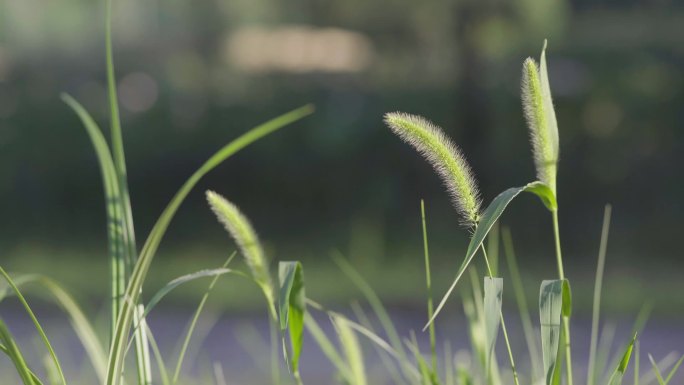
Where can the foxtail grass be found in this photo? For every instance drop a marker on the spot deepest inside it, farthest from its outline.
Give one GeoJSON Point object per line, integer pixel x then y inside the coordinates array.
{"type": "Point", "coordinates": [445, 157]}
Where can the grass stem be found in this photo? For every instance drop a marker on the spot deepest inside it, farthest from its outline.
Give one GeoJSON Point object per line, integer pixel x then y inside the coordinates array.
{"type": "Point", "coordinates": [428, 281]}
{"type": "Point", "coordinates": [528, 329]}
{"type": "Point", "coordinates": [566, 320]}
{"type": "Point", "coordinates": [597, 296]}
{"type": "Point", "coordinates": [503, 326]}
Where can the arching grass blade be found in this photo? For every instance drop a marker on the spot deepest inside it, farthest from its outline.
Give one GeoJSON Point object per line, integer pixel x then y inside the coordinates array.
{"type": "Point", "coordinates": [489, 217]}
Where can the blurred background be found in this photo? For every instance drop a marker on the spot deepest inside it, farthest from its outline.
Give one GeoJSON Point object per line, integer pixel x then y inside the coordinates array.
{"type": "Point", "coordinates": [192, 75]}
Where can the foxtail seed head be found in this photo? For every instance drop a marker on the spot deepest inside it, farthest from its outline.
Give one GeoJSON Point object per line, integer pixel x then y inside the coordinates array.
{"type": "Point", "coordinates": [243, 233]}
{"type": "Point", "coordinates": [445, 157]}
{"type": "Point", "coordinates": [541, 119]}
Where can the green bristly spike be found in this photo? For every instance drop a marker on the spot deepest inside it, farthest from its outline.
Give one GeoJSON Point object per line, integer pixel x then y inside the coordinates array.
{"type": "Point", "coordinates": [239, 227]}
{"type": "Point", "coordinates": [541, 119]}
{"type": "Point", "coordinates": [445, 157]}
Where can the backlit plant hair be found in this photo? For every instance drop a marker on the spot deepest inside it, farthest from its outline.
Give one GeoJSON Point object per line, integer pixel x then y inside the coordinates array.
{"type": "Point", "coordinates": [445, 157]}
{"type": "Point", "coordinates": [239, 227]}
{"type": "Point", "coordinates": [541, 119]}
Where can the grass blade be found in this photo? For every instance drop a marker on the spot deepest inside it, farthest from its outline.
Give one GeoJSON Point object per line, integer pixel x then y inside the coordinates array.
{"type": "Point", "coordinates": [591, 375]}
{"type": "Point", "coordinates": [327, 347]}
{"type": "Point", "coordinates": [36, 324]}
{"type": "Point", "coordinates": [550, 309]}
{"type": "Point", "coordinates": [195, 317]}
{"type": "Point", "coordinates": [390, 365]}
{"type": "Point", "coordinates": [139, 273]}
{"type": "Point", "coordinates": [352, 349]}
{"type": "Point", "coordinates": [183, 280]}
{"type": "Point", "coordinates": [523, 309]}
{"type": "Point", "coordinates": [489, 217]}
{"type": "Point", "coordinates": [374, 302]}
{"type": "Point", "coordinates": [127, 236]}
{"type": "Point", "coordinates": [493, 294]}
{"type": "Point", "coordinates": [292, 308]}
{"type": "Point", "coordinates": [674, 370]}
{"type": "Point", "coordinates": [656, 371]}
{"type": "Point", "coordinates": [428, 283]}
{"type": "Point", "coordinates": [619, 372]}
{"type": "Point", "coordinates": [110, 183]}
{"type": "Point", "coordinates": [82, 327]}
{"type": "Point", "coordinates": [10, 348]}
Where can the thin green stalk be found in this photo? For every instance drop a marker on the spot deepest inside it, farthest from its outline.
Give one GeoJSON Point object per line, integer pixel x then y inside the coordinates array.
{"type": "Point", "coordinates": [428, 281]}
{"type": "Point", "coordinates": [597, 295]}
{"type": "Point", "coordinates": [193, 323]}
{"type": "Point", "coordinates": [523, 309]}
{"type": "Point", "coordinates": [37, 325]}
{"type": "Point", "coordinates": [503, 326]}
{"type": "Point", "coordinates": [566, 320]}
{"type": "Point", "coordinates": [128, 235]}
{"type": "Point", "coordinates": [275, 361]}
{"type": "Point", "coordinates": [636, 362]}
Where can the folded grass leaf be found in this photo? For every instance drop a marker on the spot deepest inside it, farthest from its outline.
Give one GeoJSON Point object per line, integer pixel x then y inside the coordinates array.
{"type": "Point", "coordinates": [619, 372]}
{"type": "Point", "coordinates": [550, 309]}
{"type": "Point", "coordinates": [292, 308]}
{"type": "Point", "coordinates": [493, 294]}
{"type": "Point", "coordinates": [444, 156]}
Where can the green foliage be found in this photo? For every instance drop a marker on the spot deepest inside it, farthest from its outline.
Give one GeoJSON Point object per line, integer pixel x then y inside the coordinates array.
{"type": "Point", "coordinates": [616, 377]}
{"type": "Point", "coordinates": [402, 357]}
{"type": "Point", "coordinates": [10, 348]}
{"type": "Point", "coordinates": [16, 354]}
{"type": "Point", "coordinates": [489, 217]}
{"type": "Point", "coordinates": [493, 296]}
{"type": "Point", "coordinates": [550, 308]}
{"type": "Point", "coordinates": [292, 308]}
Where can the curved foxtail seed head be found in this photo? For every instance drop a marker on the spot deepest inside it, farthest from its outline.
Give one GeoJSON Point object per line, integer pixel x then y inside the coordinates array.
{"type": "Point", "coordinates": [445, 158]}
{"type": "Point", "coordinates": [243, 233]}
{"type": "Point", "coordinates": [541, 120]}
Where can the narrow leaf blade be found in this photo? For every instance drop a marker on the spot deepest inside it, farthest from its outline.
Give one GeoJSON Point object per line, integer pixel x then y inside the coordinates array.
{"type": "Point", "coordinates": [292, 308]}
{"type": "Point", "coordinates": [489, 218]}
{"type": "Point", "coordinates": [550, 309]}
{"type": "Point", "coordinates": [493, 292]}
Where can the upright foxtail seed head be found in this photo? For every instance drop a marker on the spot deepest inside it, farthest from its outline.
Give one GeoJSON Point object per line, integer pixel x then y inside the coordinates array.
{"type": "Point", "coordinates": [445, 157]}
{"type": "Point", "coordinates": [541, 119]}
{"type": "Point", "coordinates": [243, 233]}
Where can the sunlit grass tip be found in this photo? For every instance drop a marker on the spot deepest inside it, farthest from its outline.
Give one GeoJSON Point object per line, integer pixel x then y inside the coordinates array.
{"type": "Point", "coordinates": [541, 118]}
{"type": "Point", "coordinates": [239, 227]}
{"type": "Point", "coordinates": [445, 157]}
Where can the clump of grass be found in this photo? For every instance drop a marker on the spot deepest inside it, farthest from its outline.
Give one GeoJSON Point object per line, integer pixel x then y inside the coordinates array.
{"type": "Point", "coordinates": [484, 311]}
{"type": "Point", "coordinates": [129, 269]}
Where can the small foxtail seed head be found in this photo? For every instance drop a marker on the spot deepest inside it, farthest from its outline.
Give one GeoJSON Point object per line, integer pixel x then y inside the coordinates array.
{"type": "Point", "coordinates": [541, 119]}
{"type": "Point", "coordinates": [445, 157]}
{"type": "Point", "coordinates": [241, 230]}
